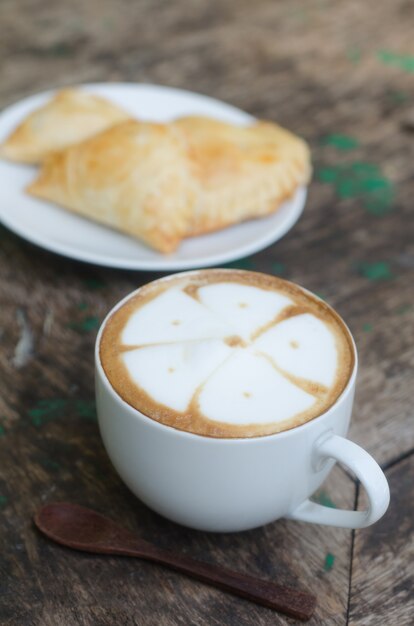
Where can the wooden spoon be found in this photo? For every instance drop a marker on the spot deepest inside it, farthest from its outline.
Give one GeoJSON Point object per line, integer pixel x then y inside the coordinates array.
{"type": "Point", "coordinates": [83, 529]}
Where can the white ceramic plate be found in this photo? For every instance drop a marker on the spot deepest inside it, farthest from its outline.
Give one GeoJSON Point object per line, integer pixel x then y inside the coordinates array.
{"type": "Point", "coordinates": [62, 232]}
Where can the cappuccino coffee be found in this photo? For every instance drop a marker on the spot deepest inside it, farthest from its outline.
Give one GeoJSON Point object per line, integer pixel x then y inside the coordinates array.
{"type": "Point", "coordinates": [227, 353]}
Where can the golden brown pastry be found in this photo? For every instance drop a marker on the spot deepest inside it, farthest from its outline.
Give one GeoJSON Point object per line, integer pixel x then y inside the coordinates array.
{"type": "Point", "coordinates": [164, 182]}
{"type": "Point", "coordinates": [242, 172]}
{"type": "Point", "coordinates": [69, 117]}
{"type": "Point", "coordinates": [133, 177]}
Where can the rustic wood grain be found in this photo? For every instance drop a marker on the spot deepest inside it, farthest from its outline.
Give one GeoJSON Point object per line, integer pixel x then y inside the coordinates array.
{"type": "Point", "coordinates": [51, 581]}
{"type": "Point", "coordinates": [324, 70]}
{"type": "Point", "coordinates": [383, 572]}
{"type": "Point", "coordinates": [269, 60]}
{"type": "Point", "coordinates": [83, 529]}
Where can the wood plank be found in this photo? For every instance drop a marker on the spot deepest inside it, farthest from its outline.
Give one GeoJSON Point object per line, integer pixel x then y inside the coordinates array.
{"type": "Point", "coordinates": [51, 425]}
{"type": "Point", "coordinates": [339, 74]}
{"type": "Point", "coordinates": [49, 584]}
{"type": "Point", "coordinates": [346, 87]}
{"type": "Point", "coordinates": [382, 571]}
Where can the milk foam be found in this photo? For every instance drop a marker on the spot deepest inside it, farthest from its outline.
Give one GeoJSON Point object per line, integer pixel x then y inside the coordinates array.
{"type": "Point", "coordinates": [246, 389]}
{"type": "Point", "coordinates": [172, 316]}
{"type": "Point", "coordinates": [244, 307]}
{"type": "Point", "coordinates": [170, 374]}
{"type": "Point", "coordinates": [302, 346]}
{"type": "Point", "coordinates": [230, 354]}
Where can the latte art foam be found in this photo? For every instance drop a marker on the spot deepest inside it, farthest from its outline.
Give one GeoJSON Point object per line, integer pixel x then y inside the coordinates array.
{"type": "Point", "coordinates": [226, 353]}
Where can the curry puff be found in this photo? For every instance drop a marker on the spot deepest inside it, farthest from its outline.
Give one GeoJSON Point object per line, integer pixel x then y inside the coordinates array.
{"type": "Point", "coordinates": [69, 117]}
{"type": "Point", "coordinates": [241, 172]}
{"type": "Point", "coordinates": [162, 183]}
{"type": "Point", "coordinates": [133, 177]}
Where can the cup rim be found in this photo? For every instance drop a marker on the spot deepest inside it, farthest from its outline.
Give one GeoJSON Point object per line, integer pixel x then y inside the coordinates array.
{"type": "Point", "coordinates": [282, 434]}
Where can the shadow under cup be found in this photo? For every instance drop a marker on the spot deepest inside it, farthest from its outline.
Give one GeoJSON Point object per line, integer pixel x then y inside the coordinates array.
{"type": "Point", "coordinates": [225, 485]}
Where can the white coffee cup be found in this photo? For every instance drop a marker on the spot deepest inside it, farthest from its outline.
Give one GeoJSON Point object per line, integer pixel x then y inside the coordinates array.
{"type": "Point", "coordinates": [219, 484]}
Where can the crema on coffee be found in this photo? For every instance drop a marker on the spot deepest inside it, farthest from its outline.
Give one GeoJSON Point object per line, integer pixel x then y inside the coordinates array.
{"type": "Point", "coordinates": [227, 353]}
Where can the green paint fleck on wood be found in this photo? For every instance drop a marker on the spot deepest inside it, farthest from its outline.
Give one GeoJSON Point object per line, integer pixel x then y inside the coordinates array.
{"type": "Point", "coordinates": [94, 283]}
{"type": "Point", "coordinates": [55, 408]}
{"type": "Point", "coordinates": [90, 323]}
{"type": "Point", "coordinates": [60, 49]}
{"type": "Point", "coordinates": [403, 62]}
{"type": "Point", "coordinates": [278, 268]}
{"type": "Point", "coordinates": [321, 497]}
{"type": "Point", "coordinates": [405, 308]}
{"type": "Point", "coordinates": [49, 464]}
{"type": "Point", "coordinates": [354, 55]}
{"type": "Point", "coordinates": [380, 270]}
{"type": "Point", "coordinates": [86, 409]}
{"type": "Point", "coordinates": [341, 142]}
{"type": "Point", "coordinates": [82, 306]}
{"type": "Point", "coordinates": [2, 431]}
{"type": "Point", "coordinates": [3, 500]}
{"type": "Point", "coordinates": [367, 328]}
{"type": "Point", "coordinates": [327, 175]}
{"type": "Point", "coordinates": [329, 562]}
{"type": "Point", "coordinates": [86, 325]}
{"type": "Point", "coordinates": [241, 264]}
{"type": "Point", "coordinates": [47, 410]}
{"type": "Point", "coordinates": [398, 96]}
{"type": "Point", "coordinates": [361, 180]}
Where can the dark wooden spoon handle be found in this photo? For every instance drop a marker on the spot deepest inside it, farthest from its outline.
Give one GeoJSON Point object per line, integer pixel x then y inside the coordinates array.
{"type": "Point", "coordinates": [83, 529]}
{"type": "Point", "coordinates": [292, 602]}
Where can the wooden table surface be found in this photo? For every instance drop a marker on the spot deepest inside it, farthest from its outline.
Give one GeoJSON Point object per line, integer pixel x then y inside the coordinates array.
{"type": "Point", "coordinates": [340, 74]}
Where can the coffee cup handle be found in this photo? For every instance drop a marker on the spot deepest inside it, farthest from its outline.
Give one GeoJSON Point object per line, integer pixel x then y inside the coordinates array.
{"type": "Point", "coordinates": [366, 470]}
